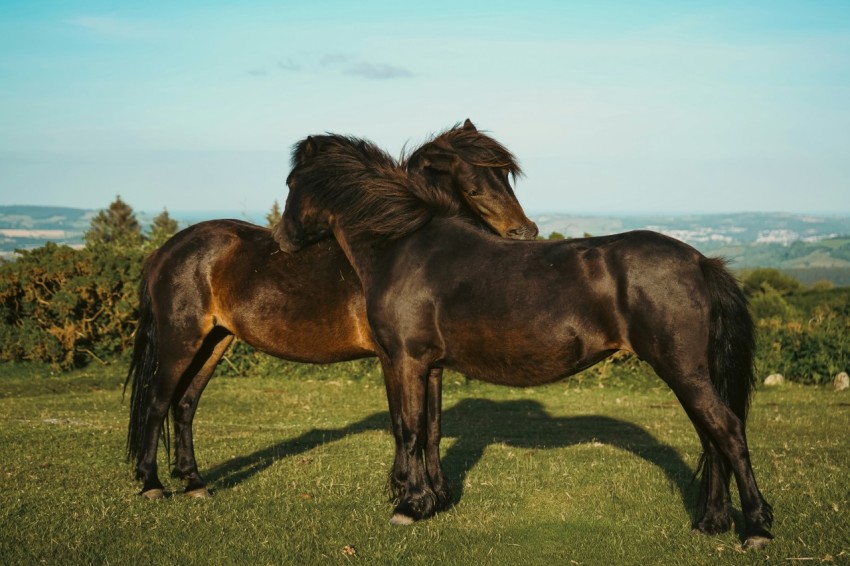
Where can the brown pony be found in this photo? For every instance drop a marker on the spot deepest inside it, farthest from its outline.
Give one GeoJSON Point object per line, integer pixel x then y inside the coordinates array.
{"type": "Point", "coordinates": [222, 279]}
{"type": "Point", "coordinates": [527, 313]}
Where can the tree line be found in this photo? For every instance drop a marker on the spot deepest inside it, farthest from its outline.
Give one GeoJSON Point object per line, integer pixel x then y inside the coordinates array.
{"type": "Point", "coordinates": [70, 307]}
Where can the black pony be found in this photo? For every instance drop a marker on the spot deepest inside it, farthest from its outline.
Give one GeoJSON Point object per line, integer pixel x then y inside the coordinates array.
{"type": "Point", "coordinates": [441, 294]}
{"type": "Point", "coordinates": [223, 279]}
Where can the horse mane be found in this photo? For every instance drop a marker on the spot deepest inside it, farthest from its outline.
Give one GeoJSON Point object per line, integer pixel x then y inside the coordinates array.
{"type": "Point", "coordinates": [469, 144]}
{"type": "Point", "coordinates": [364, 187]}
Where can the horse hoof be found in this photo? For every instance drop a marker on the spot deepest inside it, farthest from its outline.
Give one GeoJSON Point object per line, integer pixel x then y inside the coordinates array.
{"type": "Point", "coordinates": [399, 519]}
{"type": "Point", "coordinates": [199, 493]}
{"type": "Point", "coordinates": [756, 542]}
{"type": "Point", "coordinates": [155, 493]}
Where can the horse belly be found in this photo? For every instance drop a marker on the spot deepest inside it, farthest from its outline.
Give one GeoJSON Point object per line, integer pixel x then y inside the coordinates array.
{"type": "Point", "coordinates": [321, 326]}
{"type": "Point", "coordinates": [313, 341]}
{"type": "Point", "coordinates": [514, 358]}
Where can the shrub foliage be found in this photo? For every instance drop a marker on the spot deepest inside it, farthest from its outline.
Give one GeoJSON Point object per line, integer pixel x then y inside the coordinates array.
{"type": "Point", "coordinates": [66, 307]}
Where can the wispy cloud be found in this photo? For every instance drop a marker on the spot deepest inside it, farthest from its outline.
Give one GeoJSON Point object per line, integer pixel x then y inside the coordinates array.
{"type": "Point", "coordinates": [378, 71]}
{"type": "Point", "coordinates": [288, 64]}
{"type": "Point", "coordinates": [108, 26]}
{"type": "Point", "coordinates": [349, 65]}
{"type": "Point", "coordinates": [331, 59]}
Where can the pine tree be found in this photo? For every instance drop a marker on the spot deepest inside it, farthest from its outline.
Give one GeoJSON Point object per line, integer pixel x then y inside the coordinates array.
{"type": "Point", "coordinates": [162, 228]}
{"type": "Point", "coordinates": [273, 217]}
{"type": "Point", "coordinates": [116, 225]}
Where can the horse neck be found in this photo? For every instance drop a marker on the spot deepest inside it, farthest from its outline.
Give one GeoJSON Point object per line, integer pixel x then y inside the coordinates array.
{"type": "Point", "coordinates": [362, 251]}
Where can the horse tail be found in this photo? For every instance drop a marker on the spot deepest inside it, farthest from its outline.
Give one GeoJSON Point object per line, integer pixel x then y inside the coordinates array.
{"type": "Point", "coordinates": [142, 371]}
{"type": "Point", "coordinates": [731, 346]}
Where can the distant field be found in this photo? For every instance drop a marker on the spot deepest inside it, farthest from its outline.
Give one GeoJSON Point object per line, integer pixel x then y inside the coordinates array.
{"type": "Point", "coordinates": [595, 471]}
{"type": "Point", "coordinates": [20, 233]}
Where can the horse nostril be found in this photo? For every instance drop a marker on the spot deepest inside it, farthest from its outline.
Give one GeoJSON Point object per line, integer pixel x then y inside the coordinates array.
{"type": "Point", "coordinates": [527, 232]}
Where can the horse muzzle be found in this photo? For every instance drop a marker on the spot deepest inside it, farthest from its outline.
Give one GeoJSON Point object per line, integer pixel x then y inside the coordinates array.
{"type": "Point", "coordinates": [286, 242]}
{"type": "Point", "coordinates": [525, 232]}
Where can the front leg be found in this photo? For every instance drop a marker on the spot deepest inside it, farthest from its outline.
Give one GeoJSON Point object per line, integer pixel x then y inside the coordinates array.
{"type": "Point", "coordinates": [398, 474]}
{"type": "Point", "coordinates": [418, 501]}
{"type": "Point", "coordinates": [433, 466]}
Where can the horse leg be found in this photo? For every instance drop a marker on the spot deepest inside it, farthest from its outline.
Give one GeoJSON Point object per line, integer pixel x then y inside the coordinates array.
{"type": "Point", "coordinates": [714, 507]}
{"type": "Point", "coordinates": [398, 473]}
{"type": "Point", "coordinates": [175, 356]}
{"type": "Point", "coordinates": [726, 432]}
{"type": "Point", "coordinates": [433, 466]}
{"type": "Point", "coordinates": [418, 500]}
{"type": "Point", "coordinates": [159, 397]}
{"type": "Point", "coordinates": [184, 407]}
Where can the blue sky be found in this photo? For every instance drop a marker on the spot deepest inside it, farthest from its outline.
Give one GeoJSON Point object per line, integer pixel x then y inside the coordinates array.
{"type": "Point", "coordinates": [611, 107]}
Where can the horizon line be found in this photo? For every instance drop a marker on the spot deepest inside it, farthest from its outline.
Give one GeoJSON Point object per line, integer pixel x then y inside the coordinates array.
{"type": "Point", "coordinates": [532, 211]}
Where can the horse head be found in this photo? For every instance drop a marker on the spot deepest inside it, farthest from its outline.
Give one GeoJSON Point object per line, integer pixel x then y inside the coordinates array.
{"type": "Point", "coordinates": [468, 163]}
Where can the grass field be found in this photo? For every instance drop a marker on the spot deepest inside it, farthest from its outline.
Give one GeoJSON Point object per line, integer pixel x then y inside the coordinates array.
{"type": "Point", "coordinates": [594, 471]}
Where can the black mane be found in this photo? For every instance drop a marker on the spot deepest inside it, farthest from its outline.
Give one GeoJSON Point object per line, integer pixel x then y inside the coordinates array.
{"type": "Point", "coordinates": [364, 187]}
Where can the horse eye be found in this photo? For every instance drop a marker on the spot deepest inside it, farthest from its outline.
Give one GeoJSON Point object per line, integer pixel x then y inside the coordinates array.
{"type": "Point", "coordinates": [473, 192]}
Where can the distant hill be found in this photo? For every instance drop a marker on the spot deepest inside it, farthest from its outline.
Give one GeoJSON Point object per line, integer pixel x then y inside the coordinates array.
{"type": "Point", "coordinates": [807, 246]}
{"type": "Point", "coordinates": [27, 227]}
{"type": "Point", "coordinates": [707, 231]}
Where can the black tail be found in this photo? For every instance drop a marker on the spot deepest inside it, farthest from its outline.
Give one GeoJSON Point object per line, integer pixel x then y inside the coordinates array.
{"type": "Point", "coordinates": [142, 372]}
{"type": "Point", "coordinates": [731, 338]}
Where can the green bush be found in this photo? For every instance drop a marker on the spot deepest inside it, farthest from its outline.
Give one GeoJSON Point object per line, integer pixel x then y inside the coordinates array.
{"type": "Point", "coordinates": [761, 281]}
{"type": "Point", "coordinates": [810, 343]}
{"type": "Point", "coordinates": [65, 306]}
{"type": "Point", "coordinates": [771, 304]}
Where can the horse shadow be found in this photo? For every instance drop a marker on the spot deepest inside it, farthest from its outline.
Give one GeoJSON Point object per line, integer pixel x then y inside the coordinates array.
{"type": "Point", "coordinates": [477, 424]}
{"type": "Point", "coordinates": [525, 424]}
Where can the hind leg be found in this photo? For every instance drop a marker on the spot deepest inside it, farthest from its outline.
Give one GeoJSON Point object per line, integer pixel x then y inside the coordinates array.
{"type": "Point", "coordinates": [175, 357]}
{"type": "Point", "coordinates": [184, 408]}
{"type": "Point", "coordinates": [714, 507]}
{"type": "Point", "coordinates": [726, 433]}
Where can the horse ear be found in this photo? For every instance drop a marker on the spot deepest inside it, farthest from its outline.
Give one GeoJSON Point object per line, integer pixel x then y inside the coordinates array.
{"type": "Point", "coordinates": [304, 150]}
{"type": "Point", "coordinates": [469, 126]}
{"type": "Point", "coordinates": [310, 148]}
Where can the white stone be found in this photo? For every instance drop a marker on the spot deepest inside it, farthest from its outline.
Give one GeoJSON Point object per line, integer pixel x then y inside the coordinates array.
{"type": "Point", "coordinates": [842, 381]}
{"type": "Point", "coordinates": [399, 519]}
{"type": "Point", "coordinates": [774, 379]}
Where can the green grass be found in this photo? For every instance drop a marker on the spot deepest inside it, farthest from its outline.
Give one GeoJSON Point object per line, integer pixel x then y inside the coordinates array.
{"type": "Point", "coordinates": [595, 471]}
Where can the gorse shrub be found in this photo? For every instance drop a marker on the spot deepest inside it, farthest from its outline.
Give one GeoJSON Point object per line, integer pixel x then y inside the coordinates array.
{"type": "Point", "coordinates": [65, 306]}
